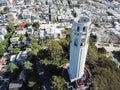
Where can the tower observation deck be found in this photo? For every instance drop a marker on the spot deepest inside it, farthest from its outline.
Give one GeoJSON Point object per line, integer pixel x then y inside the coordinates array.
{"type": "Point", "coordinates": [79, 76]}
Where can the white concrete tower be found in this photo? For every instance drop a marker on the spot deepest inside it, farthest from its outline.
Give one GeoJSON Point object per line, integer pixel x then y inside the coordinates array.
{"type": "Point", "coordinates": [78, 47]}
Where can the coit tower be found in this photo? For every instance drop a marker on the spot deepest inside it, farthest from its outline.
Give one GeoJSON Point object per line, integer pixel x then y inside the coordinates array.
{"type": "Point", "coordinates": [78, 47]}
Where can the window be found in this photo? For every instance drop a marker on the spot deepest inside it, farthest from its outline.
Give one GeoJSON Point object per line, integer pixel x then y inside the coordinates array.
{"type": "Point", "coordinates": [78, 29]}
{"type": "Point", "coordinates": [84, 29]}
{"type": "Point", "coordinates": [76, 42]}
{"type": "Point", "coordinates": [82, 43]}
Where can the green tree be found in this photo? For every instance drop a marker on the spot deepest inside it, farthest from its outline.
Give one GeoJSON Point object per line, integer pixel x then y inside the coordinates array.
{"type": "Point", "coordinates": [27, 25]}
{"type": "Point", "coordinates": [93, 37]}
{"type": "Point", "coordinates": [35, 46]}
{"type": "Point", "coordinates": [65, 44]}
{"type": "Point", "coordinates": [54, 50]}
{"type": "Point", "coordinates": [92, 54]}
{"type": "Point", "coordinates": [37, 87]}
{"type": "Point", "coordinates": [28, 65]}
{"type": "Point", "coordinates": [11, 27]}
{"type": "Point", "coordinates": [21, 37]}
{"type": "Point", "coordinates": [2, 51]}
{"type": "Point", "coordinates": [14, 71]}
{"type": "Point", "coordinates": [7, 36]}
{"type": "Point", "coordinates": [6, 9]}
{"type": "Point", "coordinates": [68, 33]}
{"type": "Point", "coordinates": [36, 25]}
{"type": "Point", "coordinates": [104, 71]}
{"type": "Point", "coordinates": [57, 83]}
{"type": "Point", "coordinates": [102, 50]}
{"type": "Point", "coordinates": [4, 43]}
{"type": "Point", "coordinates": [12, 67]}
{"type": "Point", "coordinates": [15, 50]}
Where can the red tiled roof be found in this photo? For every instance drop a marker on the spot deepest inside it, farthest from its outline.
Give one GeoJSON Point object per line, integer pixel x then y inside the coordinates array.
{"type": "Point", "coordinates": [21, 25]}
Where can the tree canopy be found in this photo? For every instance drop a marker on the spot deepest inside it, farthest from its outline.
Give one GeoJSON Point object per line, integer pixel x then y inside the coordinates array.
{"type": "Point", "coordinates": [35, 46]}
{"type": "Point", "coordinates": [28, 65]}
{"type": "Point", "coordinates": [15, 50]}
{"type": "Point", "coordinates": [10, 27]}
{"type": "Point", "coordinates": [54, 50]}
{"type": "Point", "coordinates": [57, 83]}
{"type": "Point", "coordinates": [12, 67]}
{"type": "Point", "coordinates": [36, 25]}
{"type": "Point", "coordinates": [6, 9]}
{"type": "Point", "coordinates": [105, 73]}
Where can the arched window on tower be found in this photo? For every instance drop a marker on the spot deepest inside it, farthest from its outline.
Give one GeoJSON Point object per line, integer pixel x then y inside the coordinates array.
{"type": "Point", "coordinates": [84, 32]}
{"type": "Point", "coordinates": [82, 43]}
{"type": "Point", "coordinates": [84, 29]}
{"type": "Point", "coordinates": [76, 42]}
{"type": "Point", "coordinates": [78, 28]}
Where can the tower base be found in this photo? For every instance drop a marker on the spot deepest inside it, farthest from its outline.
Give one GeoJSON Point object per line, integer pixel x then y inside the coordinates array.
{"type": "Point", "coordinates": [77, 83]}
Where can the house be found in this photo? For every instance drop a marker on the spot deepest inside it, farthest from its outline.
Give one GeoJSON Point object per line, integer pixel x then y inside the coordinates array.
{"type": "Point", "coordinates": [19, 2]}
{"type": "Point", "coordinates": [26, 14]}
{"type": "Point", "coordinates": [13, 58]}
{"type": "Point", "coordinates": [83, 1]}
{"type": "Point", "coordinates": [19, 58]}
{"type": "Point", "coordinates": [14, 40]}
{"type": "Point", "coordinates": [4, 60]}
{"type": "Point", "coordinates": [17, 34]}
{"type": "Point", "coordinates": [102, 37]}
{"type": "Point", "coordinates": [3, 68]}
{"type": "Point", "coordinates": [15, 10]}
{"type": "Point", "coordinates": [29, 2]}
{"type": "Point", "coordinates": [19, 39]}
{"type": "Point", "coordinates": [30, 30]}
{"type": "Point", "coordinates": [113, 38]}
{"type": "Point", "coordinates": [59, 33]}
{"type": "Point", "coordinates": [36, 34]}
{"type": "Point", "coordinates": [3, 3]}
{"type": "Point", "coordinates": [68, 26]}
{"type": "Point", "coordinates": [53, 30]}
{"type": "Point", "coordinates": [2, 19]}
{"type": "Point", "coordinates": [3, 30]}
{"type": "Point", "coordinates": [34, 16]}
{"type": "Point", "coordinates": [22, 55]}
{"type": "Point", "coordinates": [42, 34]}
{"type": "Point", "coordinates": [15, 85]}
{"type": "Point", "coordinates": [108, 25]}
{"type": "Point", "coordinates": [11, 16]}
{"type": "Point", "coordinates": [21, 25]}
{"type": "Point", "coordinates": [28, 20]}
